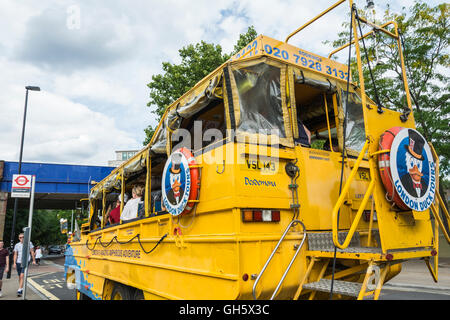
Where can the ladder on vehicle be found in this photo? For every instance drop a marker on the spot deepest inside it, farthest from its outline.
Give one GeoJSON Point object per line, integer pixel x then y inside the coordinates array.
{"type": "Point", "coordinates": [374, 263]}
{"type": "Point", "coordinates": [321, 251]}
{"type": "Point", "coordinates": [293, 223]}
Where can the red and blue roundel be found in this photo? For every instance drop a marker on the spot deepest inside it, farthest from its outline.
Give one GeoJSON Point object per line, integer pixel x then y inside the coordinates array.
{"type": "Point", "coordinates": [413, 169]}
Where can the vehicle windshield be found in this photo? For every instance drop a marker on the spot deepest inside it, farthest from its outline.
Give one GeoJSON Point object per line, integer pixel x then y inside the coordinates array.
{"type": "Point", "coordinates": [355, 134]}
{"type": "Point", "coordinates": [260, 99]}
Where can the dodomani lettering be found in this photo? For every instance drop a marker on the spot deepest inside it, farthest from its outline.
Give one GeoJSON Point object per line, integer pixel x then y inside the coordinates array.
{"type": "Point", "coordinates": [256, 182]}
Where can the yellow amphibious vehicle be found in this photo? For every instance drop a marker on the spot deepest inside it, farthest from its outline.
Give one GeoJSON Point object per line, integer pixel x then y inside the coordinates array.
{"type": "Point", "coordinates": [240, 203]}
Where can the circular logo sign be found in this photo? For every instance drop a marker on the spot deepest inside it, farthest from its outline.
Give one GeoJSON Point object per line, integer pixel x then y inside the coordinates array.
{"type": "Point", "coordinates": [176, 183]}
{"type": "Point", "coordinates": [21, 180]}
{"type": "Point", "coordinates": [413, 169]}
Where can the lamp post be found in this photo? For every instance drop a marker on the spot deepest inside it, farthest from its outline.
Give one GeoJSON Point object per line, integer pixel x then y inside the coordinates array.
{"type": "Point", "coordinates": [16, 200]}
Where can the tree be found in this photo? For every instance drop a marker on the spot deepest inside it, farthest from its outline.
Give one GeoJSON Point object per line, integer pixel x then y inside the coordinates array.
{"type": "Point", "coordinates": [245, 39]}
{"type": "Point", "coordinates": [197, 61]}
{"type": "Point", "coordinates": [45, 226]}
{"type": "Point", "coordinates": [425, 38]}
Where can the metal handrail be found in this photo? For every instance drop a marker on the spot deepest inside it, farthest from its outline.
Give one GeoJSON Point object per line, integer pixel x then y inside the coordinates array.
{"type": "Point", "coordinates": [365, 36]}
{"type": "Point", "coordinates": [341, 199]}
{"type": "Point", "coordinates": [439, 202]}
{"type": "Point", "coordinates": [314, 19]}
{"type": "Point", "coordinates": [272, 254]}
{"type": "Point", "coordinates": [355, 220]}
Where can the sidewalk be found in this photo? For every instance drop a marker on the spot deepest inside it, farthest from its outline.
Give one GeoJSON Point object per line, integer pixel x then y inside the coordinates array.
{"type": "Point", "coordinates": [10, 286]}
{"type": "Point", "coordinates": [415, 275]}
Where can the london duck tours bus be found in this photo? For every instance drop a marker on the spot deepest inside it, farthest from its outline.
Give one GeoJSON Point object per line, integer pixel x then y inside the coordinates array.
{"type": "Point", "coordinates": [275, 177]}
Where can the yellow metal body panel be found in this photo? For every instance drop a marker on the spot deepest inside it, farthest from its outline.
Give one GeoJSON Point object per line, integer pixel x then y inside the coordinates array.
{"type": "Point", "coordinates": [414, 232]}
{"type": "Point", "coordinates": [211, 253]}
{"type": "Point", "coordinates": [215, 248]}
{"type": "Point", "coordinates": [282, 51]}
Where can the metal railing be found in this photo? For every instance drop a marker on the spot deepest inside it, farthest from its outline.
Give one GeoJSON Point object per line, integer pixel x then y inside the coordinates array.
{"type": "Point", "coordinates": [292, 223]}
{"type": "Point", "coordinates": [438, 199]}
{"type": "Point", "coordinates": [341, 200]}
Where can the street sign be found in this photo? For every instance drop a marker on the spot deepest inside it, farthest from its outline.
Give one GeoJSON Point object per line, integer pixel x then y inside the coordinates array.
{"type": "Point", "coordinates": [21, 186]}
{"type": "Point", "coordinates": [25, 247]}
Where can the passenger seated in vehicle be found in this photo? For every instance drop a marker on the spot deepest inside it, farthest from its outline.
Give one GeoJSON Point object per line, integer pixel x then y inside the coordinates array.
{"type": "Point", "coordinates": [141, 206]}
{"type": "Point", "coordinates": [304, 135]}
{"type": "Point", "coordinates": [130, 211]}
{"type": "Point", "coordinates": [156, 201]}
{"type": "Point", "coordinates": [114, 215]}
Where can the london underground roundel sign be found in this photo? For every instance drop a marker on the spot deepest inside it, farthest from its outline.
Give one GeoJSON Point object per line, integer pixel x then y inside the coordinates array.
{"type": "Point", "coordinates": [413, 169]}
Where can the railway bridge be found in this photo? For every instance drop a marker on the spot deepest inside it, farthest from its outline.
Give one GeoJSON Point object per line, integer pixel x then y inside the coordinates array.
{"type": "Point", "coordinates": [58, 186]}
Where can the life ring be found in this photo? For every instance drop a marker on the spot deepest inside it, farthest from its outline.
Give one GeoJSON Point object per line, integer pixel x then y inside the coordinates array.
{"type": "Point", "coordinates": [180, 182]}
{"type": "Point", "coordinates": [408, 169]}
{"type": "Point", "coordinates": [195, 180]}
{"type": "Point", "coordinates": [384, 167]}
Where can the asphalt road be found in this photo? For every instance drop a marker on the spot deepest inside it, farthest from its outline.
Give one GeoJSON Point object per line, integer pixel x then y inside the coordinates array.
{"type": "Point", "coordinates": [414, 295]}
{"type": "Point", "coordinates": [51, 286]}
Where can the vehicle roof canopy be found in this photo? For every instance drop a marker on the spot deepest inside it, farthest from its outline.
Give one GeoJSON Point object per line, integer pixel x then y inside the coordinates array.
{"type": "Point", "coordinates": [306, 67]}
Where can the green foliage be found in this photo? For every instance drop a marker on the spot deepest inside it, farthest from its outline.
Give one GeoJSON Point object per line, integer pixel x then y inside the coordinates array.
{"type": "Point", "coordinates": [245, 39]}
{"type": "Point", "coordinates": [318, 144]}
{"type": "Point", "coordinates": [197, 61]}
{"type": "Point", "coordinates": [45, 226]}
{"type": "Point", "coordinates": [149, 131]}
{"type": "Point", "coordinates": [425, 35]}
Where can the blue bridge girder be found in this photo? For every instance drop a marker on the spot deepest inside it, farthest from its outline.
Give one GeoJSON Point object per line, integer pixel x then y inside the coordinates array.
{"type": "Point", "coordinates": [58, 186]}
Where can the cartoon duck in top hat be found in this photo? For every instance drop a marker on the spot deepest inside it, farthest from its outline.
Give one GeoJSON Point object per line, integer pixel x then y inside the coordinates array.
{"type": "Point", "coordinates": [413, 181]}
{"type": "Point", "coordinates": [175, 194]}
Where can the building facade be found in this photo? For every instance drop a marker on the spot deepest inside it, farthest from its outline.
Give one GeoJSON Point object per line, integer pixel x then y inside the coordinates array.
{"type": "Point", "coordinates": [121, 157]}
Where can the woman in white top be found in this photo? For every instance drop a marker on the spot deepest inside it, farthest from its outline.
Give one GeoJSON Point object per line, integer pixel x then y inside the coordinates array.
{"type": "Point", "coordinates": [130, 210]}
{"type": "Point", "coordinates": [38, 254]}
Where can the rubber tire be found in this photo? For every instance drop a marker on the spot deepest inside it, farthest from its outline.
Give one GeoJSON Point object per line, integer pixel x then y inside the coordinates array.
{"type": "Point", "coordinates": [82, 296]}
{"type": "Point", "coordinates": [121, 292]}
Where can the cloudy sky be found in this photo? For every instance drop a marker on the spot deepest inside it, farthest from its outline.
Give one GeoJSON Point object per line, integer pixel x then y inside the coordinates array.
{"type": "Point", "coordinates": [93, 60]}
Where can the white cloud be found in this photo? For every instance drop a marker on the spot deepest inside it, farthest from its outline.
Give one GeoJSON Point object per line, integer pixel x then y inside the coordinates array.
{"type": "Point", "coordinates": [70, 132]}
{"type": "Point", "coordinates": [57, 129]}
{"type": "Point", "coordinates": [92, 86]}
{"type": "Point", "coordinates": [93, 79]}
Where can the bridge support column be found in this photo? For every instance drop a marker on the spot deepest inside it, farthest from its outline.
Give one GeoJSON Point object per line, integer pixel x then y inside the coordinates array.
{"type": "Point", "coordinates": [3, 202]}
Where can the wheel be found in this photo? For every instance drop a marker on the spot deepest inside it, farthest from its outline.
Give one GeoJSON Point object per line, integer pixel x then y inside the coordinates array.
{"type": "Point", "coordinates": [121, 292]}
{"type": "Point", "coordinates": [81, 296]}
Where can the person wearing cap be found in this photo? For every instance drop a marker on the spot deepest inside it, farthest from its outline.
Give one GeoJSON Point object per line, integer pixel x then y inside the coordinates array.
{"type": "Point", "coordinates": [413, 180]}
{"type": "Point", "coordinates": [130, 210]}
{"type": "Point", "coordinates": [114, 215]}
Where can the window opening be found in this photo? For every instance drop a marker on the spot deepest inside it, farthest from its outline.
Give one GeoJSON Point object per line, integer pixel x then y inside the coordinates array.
{"type": "Point", "coordinates": [259, 93]}
{"type": "Point", "coordinates": [203, 129]}
{"type": "Point", "coordinates": [316, 112]}
{"type": "Point", "coordinates": [156, 207]}
{"type": "Point", "coordinates": [355, 134]}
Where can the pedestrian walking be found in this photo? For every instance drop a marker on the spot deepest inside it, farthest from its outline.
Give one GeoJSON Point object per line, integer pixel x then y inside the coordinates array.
{"type": "Point", "coordinates": [38, 255]}
{"type": "Point", "coordinates": [18, 262]}
{"type": "Point", "coordinates": [4, 263]}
